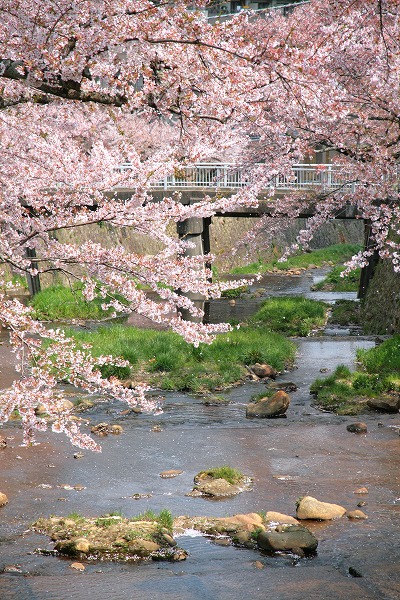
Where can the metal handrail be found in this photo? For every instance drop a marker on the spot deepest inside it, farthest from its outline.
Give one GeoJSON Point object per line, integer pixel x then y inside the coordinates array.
{"type": "Point", "coordinates": [228, 176]}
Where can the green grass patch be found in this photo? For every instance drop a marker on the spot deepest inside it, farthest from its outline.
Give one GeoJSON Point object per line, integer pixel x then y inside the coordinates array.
{"type": "Point", "coordinates": [383, 359]}
{"type": "Point", "coordinates": [74, 516]}
{"type": "Point", "coordinates": [108, 520]}
{"type": "Point", "coordinates": [346, 392]}
{"type": "Point", "coordinates": [166, 361]}
{"type": "Point", "coordinates": [295, 315]}
{"type": "Point", "coordinates": [346, 312]}
{"type": "Point", "coordinates": [163, 518]}
{"type": "Point", "coordinates": [59, 302]}
{"type": "Point", "coordinates": [338, 253]}
{"type": "Point", "coordinates": [236, 292]}
{"type": "Point", "coordinates": [335, 282]}
{"type": "Point", "coordinates": [230, 474]}
{"type": "Point", "coordinates": [17, 282]}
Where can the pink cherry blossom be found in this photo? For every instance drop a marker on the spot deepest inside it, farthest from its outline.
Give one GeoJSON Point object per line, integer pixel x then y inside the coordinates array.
{"type": "Point", "coordinates": [87, 86]}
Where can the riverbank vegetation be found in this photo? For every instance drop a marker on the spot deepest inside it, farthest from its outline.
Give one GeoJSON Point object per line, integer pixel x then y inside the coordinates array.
{"type": "Point", "coordinates": [164, 360]}
{"type": "Point", "coordinates": [291, 316]}
{"type": "Point", "coordinates": [329, 256]}
{"type": "Point", "coordinates": [347, 393]}
{"type": "Point", "coordinates": [60, 302]}
{"type": "Point", "coordinates": [346, 312]}
{"type": "Point", "coordinates": [336, 282]}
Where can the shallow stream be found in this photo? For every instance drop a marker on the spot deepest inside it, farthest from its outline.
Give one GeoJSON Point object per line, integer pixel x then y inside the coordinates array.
{"type": "Point", "coordinates": [308, 453]}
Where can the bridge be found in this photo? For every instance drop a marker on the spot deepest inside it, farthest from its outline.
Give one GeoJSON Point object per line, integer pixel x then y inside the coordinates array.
{"type": "Point", "coordinates": [227, 176]}
{"type": "Point", "coordinates": [212, 178]}
{"type": "Point", "coordinates": [216, 178]}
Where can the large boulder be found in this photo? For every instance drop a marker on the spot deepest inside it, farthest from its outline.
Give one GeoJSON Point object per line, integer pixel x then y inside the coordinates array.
{"type": "Point", "coordinates": [263, 371]}
{"type": "Point", "coordinates": [276, 517]}
{"type": "Point", "coordinates": [275, 406]}
{"type": "Point", "coordinates": [287, 537]}
{"type": "Point", "coordinates": [311, 508]}
{"type": "Point", "coordinates": [248, 522]}
{"type": "Point", "coordinates": [385, 403]}
{"type": "Point", "coordinates": [218, 488]}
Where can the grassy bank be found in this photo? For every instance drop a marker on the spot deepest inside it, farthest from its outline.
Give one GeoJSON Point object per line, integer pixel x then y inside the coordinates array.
{"type": "Point", "coordinates": [336, 283]}
{"type": "Point", "coordinates": [59, 303]}
{"type": "Point", "coordinates": [346, 312]}
{"type": "Point", "coordinates": [346, 392]}
{"type": "Point", "coordinates": [332, 255]}
{"type": "Point", "coordinates": [293, 316]}
{"type": "Point", "coordinates": [165, 360]}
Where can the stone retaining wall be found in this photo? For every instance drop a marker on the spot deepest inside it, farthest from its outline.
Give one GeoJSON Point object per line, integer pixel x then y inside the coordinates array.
{"type": "Point", "coordinates": [381, 310]}
{"type": "Point", "coordinates": [224, 233]}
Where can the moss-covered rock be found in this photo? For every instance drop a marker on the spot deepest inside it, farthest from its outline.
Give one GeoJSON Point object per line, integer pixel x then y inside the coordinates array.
{"type": "Point", "coordinates": [219, 482]}
{"type": "Point", "coordinates": [111, 538]}
{"type": "Point", "coordinates": [287, 538]}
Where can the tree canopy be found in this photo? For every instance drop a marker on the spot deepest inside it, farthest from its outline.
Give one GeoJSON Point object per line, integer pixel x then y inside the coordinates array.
{"type": "Point", "coordinates": [89, 84]}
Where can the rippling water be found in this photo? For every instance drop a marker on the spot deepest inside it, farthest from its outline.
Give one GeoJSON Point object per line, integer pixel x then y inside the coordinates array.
{"type": "Point", "coordinates": [309, 452]}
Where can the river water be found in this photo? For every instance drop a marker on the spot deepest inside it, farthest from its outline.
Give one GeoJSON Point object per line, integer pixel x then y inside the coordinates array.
{"type": "Point", "coordinates": [308, 453]}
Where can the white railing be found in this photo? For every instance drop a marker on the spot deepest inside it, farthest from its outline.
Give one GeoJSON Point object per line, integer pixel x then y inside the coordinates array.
{"type": "Point", "coordinates": [226, 176]}
{"type": "Point", "coordinates": [284, 9]}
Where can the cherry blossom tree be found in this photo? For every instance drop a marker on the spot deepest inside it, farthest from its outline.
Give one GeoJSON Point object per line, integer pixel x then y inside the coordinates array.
{"type": "Point", "coordinates": [90, 84]}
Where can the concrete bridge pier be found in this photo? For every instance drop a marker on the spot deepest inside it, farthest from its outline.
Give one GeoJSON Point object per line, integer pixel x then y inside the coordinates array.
{"type": "Point", "coordinates": [32, 280]}
{"type": "Point", "coordinates": [197, 231]}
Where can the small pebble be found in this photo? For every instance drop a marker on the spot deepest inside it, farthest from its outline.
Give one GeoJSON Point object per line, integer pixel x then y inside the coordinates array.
{"type": "Point", "coordinates": [361, 490]}
{"type": "Point", "coordinates": [78, 566]}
